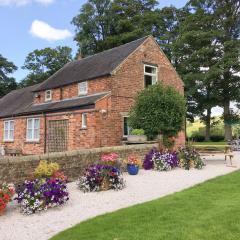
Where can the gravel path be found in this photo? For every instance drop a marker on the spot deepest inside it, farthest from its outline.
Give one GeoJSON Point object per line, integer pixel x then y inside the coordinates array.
{"type": "Point", "coordinates": [146, 186]}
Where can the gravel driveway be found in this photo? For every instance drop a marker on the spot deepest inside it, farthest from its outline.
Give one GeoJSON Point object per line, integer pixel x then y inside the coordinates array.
{"type": "Point", "coordinates": [146, 186]}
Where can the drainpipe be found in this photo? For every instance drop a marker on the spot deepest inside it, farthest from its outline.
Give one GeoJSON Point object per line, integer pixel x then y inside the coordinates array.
{"type": "Point", "coordinates": [45, 133]}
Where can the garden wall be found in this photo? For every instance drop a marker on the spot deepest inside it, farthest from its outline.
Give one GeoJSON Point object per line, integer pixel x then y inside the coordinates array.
{"type": "Point", "coordinates": [17, 169]}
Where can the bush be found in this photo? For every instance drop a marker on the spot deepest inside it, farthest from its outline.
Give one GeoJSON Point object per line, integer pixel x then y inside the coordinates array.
{"type": "Point", "coordinates": [157, 110]}
{"type": "Point", "coordinates": [45, 169]}
{"type": "Point", "coordinates": [38, 195]}
{"type": "Point", "coordinates": [137, 132]}
{"type": "Point", "coordinates": [217, 138]}
{"type": "Point", "coordinates": [6, 193]}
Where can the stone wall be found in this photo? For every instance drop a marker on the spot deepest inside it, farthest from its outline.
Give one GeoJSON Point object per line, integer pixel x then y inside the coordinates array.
{"type": "Point", "coordinates": [17, 169]}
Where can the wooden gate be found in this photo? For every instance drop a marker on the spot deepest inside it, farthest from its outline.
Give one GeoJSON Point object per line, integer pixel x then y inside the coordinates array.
{"type": "Point", "coordinates": [57, 135]}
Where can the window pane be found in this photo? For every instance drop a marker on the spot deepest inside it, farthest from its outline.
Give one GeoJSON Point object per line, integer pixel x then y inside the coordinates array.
{"type": "Point", "coordinates": [11, 125]}
{"type": "Point", "coordinates": [36, 124]}
{"type": "Point", "coordinates": [154, 80]}
{"type": "Point", "coordinates": [126, 126]}
{"type": "Point", "coordinates": [29, 134]}
{"type": "Point", "coordinates": [149, 69]}
{"type": "Point", "coordinates": [148, 80]}
{"type": "Point", "coordinates": [11, 135]}
{"type": "Point", "coordinates": [84, 120]}
{"type": "Point", "coordinates": [82, 87]}
{"type": "Point", "coordinates": [5, 135]}
{"type": "Point", "coordinates": [36, 134]}
{"type": "Point", "coordinates": [30, 124]}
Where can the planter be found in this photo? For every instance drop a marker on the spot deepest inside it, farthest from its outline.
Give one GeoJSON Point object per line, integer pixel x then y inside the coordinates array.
{"type": "Point", "coordinates": [132, 169]}
{"type": "Point", "coordinates": [137, 138]}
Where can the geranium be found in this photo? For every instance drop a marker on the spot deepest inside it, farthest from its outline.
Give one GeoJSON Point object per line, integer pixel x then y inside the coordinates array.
{"type": "Point", "coordinates": [6, 193]}
{"type": "Point", "coordinates": [109, 158]}
{"type": "Point", "coordinates": [59, 175]}
{"type": "Point", "coordinates": [97, 175]}
{"type": "Point", "coordinates": [37, 195]}
{"type": "Point", "coordinates": [133, 160]}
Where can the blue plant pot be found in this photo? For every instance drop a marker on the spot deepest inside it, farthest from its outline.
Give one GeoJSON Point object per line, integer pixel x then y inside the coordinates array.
{"type": "Point", "coordinates": [132, 169]}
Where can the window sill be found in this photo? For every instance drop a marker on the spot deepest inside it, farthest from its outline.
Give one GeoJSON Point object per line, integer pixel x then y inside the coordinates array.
{"type": "Point", "coordinates": [83, 128]}
{"type": "Point", "coordinates": [82, 94]}
{"type": "Point", "coordinates": [8, 141]}
{"type": "Point", "coordinates": [32, 141]}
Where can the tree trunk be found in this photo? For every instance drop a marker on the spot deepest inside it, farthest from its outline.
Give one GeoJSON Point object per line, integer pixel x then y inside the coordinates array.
{"type": "Point", "coordinates": [208, 125]}
{"type": "Point", "coordinates": [227, 124]}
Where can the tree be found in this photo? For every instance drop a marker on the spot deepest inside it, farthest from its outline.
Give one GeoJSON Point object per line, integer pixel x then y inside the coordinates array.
{"type": "Point", "coordinates": [44, 63]}
{"type": "Point", "coordinates": [158, 109]}
{"type": "Point", "coordinates": [227, 21]}
{"type": "Point", "coordinates": [196, 52]}
{"type": "Point", "coordinates": [104, 24]}
{"type": "Point", "coordinates": [7, 83]}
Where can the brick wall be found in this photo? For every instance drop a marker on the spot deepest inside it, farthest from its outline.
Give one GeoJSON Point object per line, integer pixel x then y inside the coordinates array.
{"type": "Point", "coordinates": [73, 163]}
{"type": "Point", "coordinates": [104, 129]}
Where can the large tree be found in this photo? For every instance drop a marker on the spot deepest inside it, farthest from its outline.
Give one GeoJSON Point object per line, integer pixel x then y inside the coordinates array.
{"type": "Point", "coordinates": [104, 24]}
{"type": "Point", "coordinates": [7, 83]}
{"type": "Point", "coordinates": [196, 54]}
{"type": "Point", "coordinates": [41, 64]}
{"type": "Point", "coordinates": [227, 21]}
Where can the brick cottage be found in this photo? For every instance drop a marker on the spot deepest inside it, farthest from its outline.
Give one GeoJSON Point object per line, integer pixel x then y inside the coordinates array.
{"type": "Point", "coordinates": [86, 103]}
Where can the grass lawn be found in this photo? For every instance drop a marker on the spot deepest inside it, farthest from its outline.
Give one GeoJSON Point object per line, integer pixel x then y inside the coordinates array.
{"type": "Point", "coordinates": [209, 211]}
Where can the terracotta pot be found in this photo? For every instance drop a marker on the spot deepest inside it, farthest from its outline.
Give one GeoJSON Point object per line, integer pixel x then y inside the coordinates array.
{"type": "Point", "coordinates": [2, 211]}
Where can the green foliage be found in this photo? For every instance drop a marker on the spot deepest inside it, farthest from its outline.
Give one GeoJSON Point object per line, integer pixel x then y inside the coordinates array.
{"type": "Point", "coordinates": [43, 63]}
{"type": "Point", "coordinates": [158, 109]}
{"type": "Point", "coordinates": [46, 169]}
{"type": "Point", "coordinates": [104, 24]}
{"type": "Point", "coordinates": [137, 132]}
{"type": "Point", "coordinates": [7, 83]}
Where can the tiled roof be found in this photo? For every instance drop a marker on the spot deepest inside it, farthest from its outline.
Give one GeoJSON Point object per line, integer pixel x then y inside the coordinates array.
{"type": "Point", "coordinates": [98, 65]}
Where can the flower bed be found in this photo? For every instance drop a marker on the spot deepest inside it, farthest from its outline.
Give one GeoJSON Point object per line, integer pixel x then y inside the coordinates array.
{"type": "Point", "coordinates": [160, 160]}
{"type": "Point", "coordinates": [47, 190]}
{"type": "Point", "coordinates": [101, 177]}
{"type": "Point", "coordinates": [189, 158]}
{"type": "Point", "coordinates": [6, 194]}
{"type": "Point", "coordinates": [185, 158]}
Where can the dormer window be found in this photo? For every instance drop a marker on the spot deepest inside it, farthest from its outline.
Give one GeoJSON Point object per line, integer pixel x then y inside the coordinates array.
{"type": "Point", "coordinates": [150, 75]}
{"type": "Point", "coordinates": [48, 95]}
{"type": "Point", "coordinates": [82, 88]}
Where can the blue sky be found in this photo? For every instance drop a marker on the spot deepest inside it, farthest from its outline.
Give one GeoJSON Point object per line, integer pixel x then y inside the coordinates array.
{"type": "Point", "coordinates": [27, 25]}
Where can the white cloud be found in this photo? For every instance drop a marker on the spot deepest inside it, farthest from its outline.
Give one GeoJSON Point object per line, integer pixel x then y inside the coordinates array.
{"type": "Point", "coordinates": [45, 31]}
{"type": "Point", "coordinates": [24, 2]}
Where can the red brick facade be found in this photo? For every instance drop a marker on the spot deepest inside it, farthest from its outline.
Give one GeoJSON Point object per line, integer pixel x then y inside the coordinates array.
{"type": "Point", "coordinates": [105, 121]}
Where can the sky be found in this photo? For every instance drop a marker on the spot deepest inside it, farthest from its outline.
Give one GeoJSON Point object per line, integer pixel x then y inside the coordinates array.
{"type": "Point", "coordinates": [27, 25]}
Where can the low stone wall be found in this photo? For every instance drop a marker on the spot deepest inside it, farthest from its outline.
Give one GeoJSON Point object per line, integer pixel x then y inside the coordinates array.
{"type": "Point", "coordinates": [17, 169]}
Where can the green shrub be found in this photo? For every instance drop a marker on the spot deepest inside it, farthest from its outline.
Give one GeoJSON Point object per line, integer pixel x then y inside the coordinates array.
{"type": "Point", "coordinates": [137, 132]}
{"type": "Point", "coordinates": [158, 109]}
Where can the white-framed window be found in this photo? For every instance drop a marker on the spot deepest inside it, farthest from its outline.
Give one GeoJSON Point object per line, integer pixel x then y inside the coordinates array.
{"type": "Point", "coordinates": [82, 88]}
{"type": "Point", "coordinates": [150, 75]}
{"type": "Point", "coordinates": [9, 130]}
{"type": "Point", "coordinates": [126, 128]}
{"type": "Point", "coordinates": [33, 129]}
{"type": "Point", "coordinates": [48, 95]}
{"type": "Point", "coordinates": [84, 120]}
